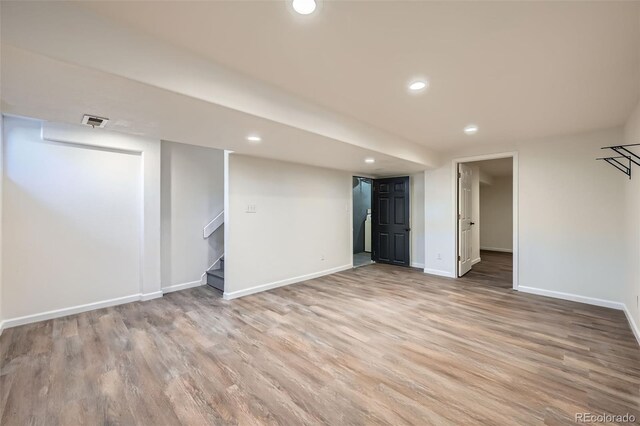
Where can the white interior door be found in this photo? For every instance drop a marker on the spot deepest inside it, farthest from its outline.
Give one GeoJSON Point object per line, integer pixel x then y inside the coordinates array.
{"type": "Point", "coordinates": [465, 240]}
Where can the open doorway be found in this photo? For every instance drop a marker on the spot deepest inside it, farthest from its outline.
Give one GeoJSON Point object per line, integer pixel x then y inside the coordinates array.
{"type": "Point", "coordinates": [485, 221]}
{"type": "Point", "coordinates": [362, 221]}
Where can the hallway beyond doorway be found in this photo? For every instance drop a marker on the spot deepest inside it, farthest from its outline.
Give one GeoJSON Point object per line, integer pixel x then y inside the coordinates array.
{"type": "Point", "coordinates": [362, 259]}
{"type": "Point", "coordinates": [495, 269]}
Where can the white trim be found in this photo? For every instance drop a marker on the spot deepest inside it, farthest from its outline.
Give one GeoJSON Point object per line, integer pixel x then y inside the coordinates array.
{"type": "Point", "coordinates": [211, 227]}
{"type": "Point", "coordinates": [281, 283]}
{"type": "Point", "coordinates": [227, 208]}
{"type": "Point", "coordinates": [183, 286]}
{"type": "Point", "coordinates": [150, 296]}
{"type": "Point", "coordinates": [439, 273]}
{"type": "Point", "coordinates": [454, 192]}
{"type": "Point", "coordinates": [572, 297]}
{"type": "Point", "coordinates": [634, 326]}
{"type": "Point", "coordinates": [474, 261]}
{"type": "Point", "coordinates": [502, 250]}
{"type": "Point", "coordinates": [417, 265]}
{"type": "Point", "coordinates": [350, 215]}
{"type": "Point", "coordinates": [58, 313]}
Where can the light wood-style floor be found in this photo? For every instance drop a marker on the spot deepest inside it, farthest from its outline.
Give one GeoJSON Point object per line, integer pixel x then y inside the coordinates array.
{"type": "Point", "coordinates": [373, 345]}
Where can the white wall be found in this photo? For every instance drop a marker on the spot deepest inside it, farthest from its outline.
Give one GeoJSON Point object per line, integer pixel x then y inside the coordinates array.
{"type": "Point", "coordinates": [632, 228]}
{"type": "Point", "coordinates": [1, 209]}
{"type": "Point", "coordinates": [301, 227]}
{"type": "Point", "coordinates": [416, 185]}
{"type": "Point", "coordinates": [496, 211]}
{"type": "Point", "coordinates": [571, 216]}
{"type": "Point", "coordinates": [192, 195]}
{"type": "Point", "coordinates": [81, 220]}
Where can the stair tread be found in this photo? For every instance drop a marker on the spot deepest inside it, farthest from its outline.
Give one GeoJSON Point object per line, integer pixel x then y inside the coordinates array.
{"type": "Point", "coordinates": [217, 273]}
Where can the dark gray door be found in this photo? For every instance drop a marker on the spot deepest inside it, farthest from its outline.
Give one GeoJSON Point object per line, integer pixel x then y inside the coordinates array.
{"type": "Point", "coordinates": [390, 213]}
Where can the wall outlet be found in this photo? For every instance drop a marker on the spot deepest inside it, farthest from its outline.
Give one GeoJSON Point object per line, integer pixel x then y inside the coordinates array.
{"type": "Point", "coordinates": [322, 257]}
{"type": "Point", "coordinates": [439, 257]}
{"type": "Point", "coordinates": [251, 208]}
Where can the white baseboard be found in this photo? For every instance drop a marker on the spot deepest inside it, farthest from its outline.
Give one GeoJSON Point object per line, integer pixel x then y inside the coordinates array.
{"type": "Point", "coordinates": [503, 250]}
{"type": "Point", "coordinates": [634, 326]}
{"type": "Point", "coordinates": [588, 300]}
{"type": "Point", "coordinates": [182, 286]}
{"type": "Point", "coordinates": [281, 283]}
{"type": "Point", "coordinates": [417, 265]}
{"type": "Point", "coordinates": [150, 296]}
{"type": "Point", "coordinates": [572, 297]}
{"type": "Point", "coordinates": [58, 313]}
{"type": "Point", "coordinates": [439, 273]}
{"type": "Point", "coordinates": [474, 261]}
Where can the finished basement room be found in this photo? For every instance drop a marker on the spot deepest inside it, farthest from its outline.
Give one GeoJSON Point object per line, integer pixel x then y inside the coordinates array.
{"type": "Point", "coordinates": [314, 212]}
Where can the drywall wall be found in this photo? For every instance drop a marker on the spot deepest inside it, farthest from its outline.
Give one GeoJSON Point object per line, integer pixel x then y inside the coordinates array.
{"type": "Point", "coordinates": [361, 203]}
{"type": "Point", "coordinates": [286, 223]}
{"type": "Point", "coordinates": [632, 228]}
{"type": "Point", "coordinates": [496, 211]}
{"type": "Point", "coordinates": [1, 192]}
{"type": "Point", "coordinates": [192, 195]}
{"type": "Point", "coordinates": [416, 188]}
{"type": "Point", "coordinates": [81, 219]}
{"type": "Point", "coordinates": [570, 222]}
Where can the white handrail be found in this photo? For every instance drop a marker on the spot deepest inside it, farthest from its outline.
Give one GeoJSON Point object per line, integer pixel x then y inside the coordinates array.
{"type": "Point", "coordinates": [213, 225]}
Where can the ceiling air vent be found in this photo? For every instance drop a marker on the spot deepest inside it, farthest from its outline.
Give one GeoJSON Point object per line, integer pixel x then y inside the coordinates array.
{"type": "Point", "coordinates": [93, 121]}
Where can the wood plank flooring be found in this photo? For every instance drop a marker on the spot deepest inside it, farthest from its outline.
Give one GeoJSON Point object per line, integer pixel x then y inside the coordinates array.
{"type": "Point", "coordinates": [374, 345]}
{"type": "Point", "coordinates": [495, 269]}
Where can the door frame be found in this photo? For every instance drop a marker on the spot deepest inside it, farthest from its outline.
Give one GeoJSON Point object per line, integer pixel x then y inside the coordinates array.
{"type": "Point", "coordinates": [351, 212]}
{"type": "Point", "coordinates": [510, 154]}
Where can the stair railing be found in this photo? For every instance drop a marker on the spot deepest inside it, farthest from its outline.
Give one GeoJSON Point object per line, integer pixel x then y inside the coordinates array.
{"type": "Point", "coordinates": [211, 227]}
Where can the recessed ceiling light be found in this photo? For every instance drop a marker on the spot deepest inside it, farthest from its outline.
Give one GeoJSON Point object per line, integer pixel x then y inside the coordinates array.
{"type": "Point", "coordinates": [471, 129]}
{"type": "Point", "coordinates": [369, 160]}
{"type": "Point", "coordinates": [254, 138]}
{"type": "Point", "coordinates": [418, 85]}
{"type": "Point", "coordinates": [304, 7]}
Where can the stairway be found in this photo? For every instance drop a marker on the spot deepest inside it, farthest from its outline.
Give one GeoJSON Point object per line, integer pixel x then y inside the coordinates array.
{"type": "Point", "coordinates": [215, 277]}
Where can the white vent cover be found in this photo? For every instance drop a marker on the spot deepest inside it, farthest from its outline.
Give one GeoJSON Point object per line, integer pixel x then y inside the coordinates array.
{"type": "Point", "coordinates": [93, 121]}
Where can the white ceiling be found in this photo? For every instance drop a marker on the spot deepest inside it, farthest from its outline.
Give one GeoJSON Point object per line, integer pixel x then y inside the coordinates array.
{"type": "Point", "coordinates": [520, 70]}
{"type": "Point", "coordinates": [144, 110]}
{"type": "Point", "coordinates": [327, 89]}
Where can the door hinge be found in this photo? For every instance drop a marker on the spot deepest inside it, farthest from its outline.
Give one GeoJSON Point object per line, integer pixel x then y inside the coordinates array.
{"type": "Point", "coordinates": [459, 216]}
{"type": "Point", "coordinates": [458, 258]}
{"type": "Point", "coordinates": [459, 175]}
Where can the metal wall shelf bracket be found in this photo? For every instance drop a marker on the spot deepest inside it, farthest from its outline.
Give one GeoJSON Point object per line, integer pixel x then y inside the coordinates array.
{"type": "Point", "coordinates": [624, 160]}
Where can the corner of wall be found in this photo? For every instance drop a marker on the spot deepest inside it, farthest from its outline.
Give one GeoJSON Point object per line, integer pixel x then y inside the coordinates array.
{"type": "Point", "coordinates": [1, 210]}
